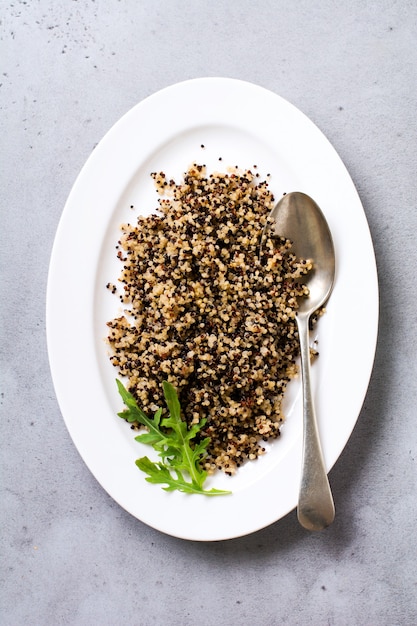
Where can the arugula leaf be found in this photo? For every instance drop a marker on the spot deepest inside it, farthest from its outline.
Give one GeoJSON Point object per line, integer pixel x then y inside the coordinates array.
{"type": "Point", "coordinates": [158, 473]}
{"type": "Point", "coordinates": [155, 437]}
{"type": "Point", "coordinates": [173, 441]}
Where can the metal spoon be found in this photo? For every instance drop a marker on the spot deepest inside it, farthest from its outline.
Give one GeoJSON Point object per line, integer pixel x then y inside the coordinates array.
{"type": "Point", "coordinates": [298, 218]}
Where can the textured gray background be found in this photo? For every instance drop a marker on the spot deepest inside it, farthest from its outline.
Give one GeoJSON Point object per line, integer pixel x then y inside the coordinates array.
{"type": "Point", "coordinates": [70, 555]}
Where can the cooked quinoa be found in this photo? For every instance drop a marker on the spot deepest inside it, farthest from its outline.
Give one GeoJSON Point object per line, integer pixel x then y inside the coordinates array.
{"type": "Point", "coordinates": [205, 313]}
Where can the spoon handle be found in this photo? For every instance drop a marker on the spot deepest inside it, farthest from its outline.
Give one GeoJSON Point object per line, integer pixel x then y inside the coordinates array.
{"type": "Point", "coordinates": [315, 503]}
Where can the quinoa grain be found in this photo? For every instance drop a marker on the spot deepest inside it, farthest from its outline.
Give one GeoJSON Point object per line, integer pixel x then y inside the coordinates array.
{"type": "Point", "coordinates": [203, 312]}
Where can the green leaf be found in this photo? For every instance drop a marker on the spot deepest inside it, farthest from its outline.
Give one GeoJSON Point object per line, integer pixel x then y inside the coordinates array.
{"type": "Point", "coordinates": [172, 401]}
{"type": "Point", "coordinates": [159, 474]}
{"type": "Point", "coordinates": [134, 414]}
{"type": "Point", "coordinates": [180, 438]}
{"type": "Point", "coordinates": [173, 441]}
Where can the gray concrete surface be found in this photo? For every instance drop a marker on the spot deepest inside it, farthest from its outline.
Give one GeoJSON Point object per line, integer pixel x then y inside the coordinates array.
{"type": "Point", "coordinates": [70, 555]}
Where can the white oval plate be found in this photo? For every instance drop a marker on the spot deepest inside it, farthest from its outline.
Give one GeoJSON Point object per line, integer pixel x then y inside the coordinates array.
{"type": "Point", "coordinates": [245, 125]}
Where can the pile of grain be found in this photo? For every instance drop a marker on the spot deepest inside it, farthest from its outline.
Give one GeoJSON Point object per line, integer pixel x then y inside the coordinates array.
{"type": "Point", "coordinates": [203, 312]}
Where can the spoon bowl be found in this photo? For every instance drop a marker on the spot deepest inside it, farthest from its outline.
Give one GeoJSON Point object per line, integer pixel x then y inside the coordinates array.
{"type": "Point", "coordinates": [298, 218]}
